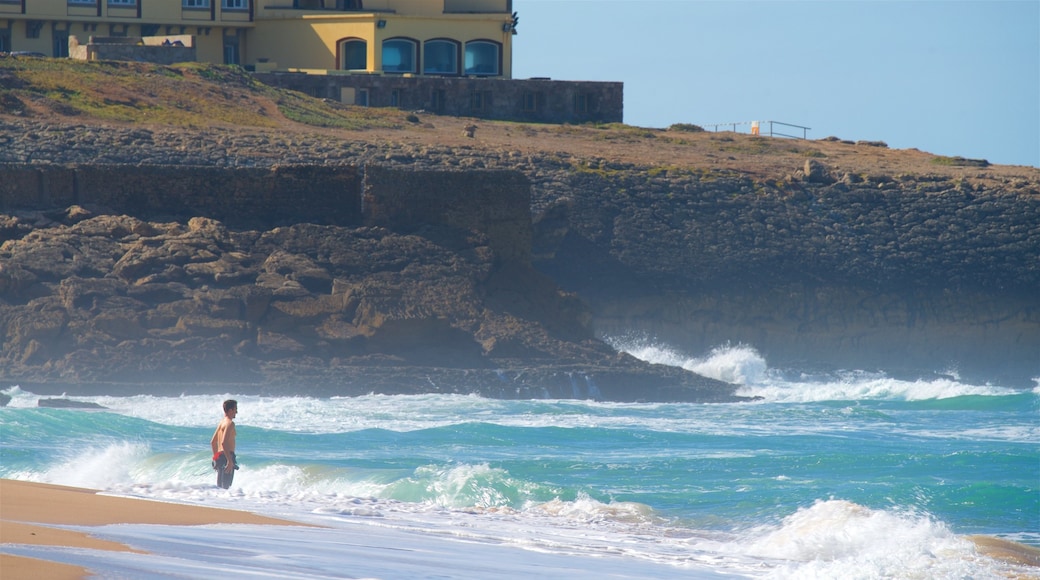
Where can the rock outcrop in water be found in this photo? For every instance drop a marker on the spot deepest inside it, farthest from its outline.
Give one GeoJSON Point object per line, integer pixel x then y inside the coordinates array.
{"type": "Point", "coordinates": [111, 303]}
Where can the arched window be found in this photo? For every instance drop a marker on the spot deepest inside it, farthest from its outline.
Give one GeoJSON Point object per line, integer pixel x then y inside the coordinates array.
{"type": "Point", "coordinates": [354, 54]}
{"type": "Point", "coordinates": [399, 55]}
{"type": "Point", "coordinates": [440, 57]}
{"type": "Point", "coordinates": [482, 58]}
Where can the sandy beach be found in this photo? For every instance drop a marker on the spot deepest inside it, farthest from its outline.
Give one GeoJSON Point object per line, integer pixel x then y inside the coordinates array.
{"type": "Point", "coordinates": [29, 511]}
{"type": "Point", "coordinates": [36, 514]}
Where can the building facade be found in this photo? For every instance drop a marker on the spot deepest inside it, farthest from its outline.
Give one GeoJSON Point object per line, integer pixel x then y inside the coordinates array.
{"type": "Point", "coordinates": [443, 38]}
{"type": "Point", "coordinates": [451, 57]}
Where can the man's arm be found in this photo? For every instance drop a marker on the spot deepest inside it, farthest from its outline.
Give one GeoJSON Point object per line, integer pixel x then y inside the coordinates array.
{"type": "Point", "coordinates": [213, 440]}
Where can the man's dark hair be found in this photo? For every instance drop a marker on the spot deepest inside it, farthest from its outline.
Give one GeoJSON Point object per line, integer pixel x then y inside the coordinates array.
{"type": "Point", "coordinates": [230, 404]}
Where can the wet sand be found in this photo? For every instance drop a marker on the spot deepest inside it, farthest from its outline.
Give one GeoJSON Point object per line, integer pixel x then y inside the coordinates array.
{"type": "Point", "coordinates": [29, 511]}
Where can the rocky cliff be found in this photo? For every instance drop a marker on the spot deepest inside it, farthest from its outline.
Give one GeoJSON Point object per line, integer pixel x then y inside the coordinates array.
{"type": "Point", "coordinates": [909, 273]}
{"type": "Point", "coordinates": [842, 261]}
{"type": "Point", "coordinates": [429, 289]}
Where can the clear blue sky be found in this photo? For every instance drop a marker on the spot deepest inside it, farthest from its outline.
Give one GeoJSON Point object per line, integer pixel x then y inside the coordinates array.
{"type": "Point", "coordinates": [947, 77]}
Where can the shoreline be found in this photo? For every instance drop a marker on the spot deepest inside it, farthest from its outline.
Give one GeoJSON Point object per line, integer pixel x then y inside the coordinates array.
{"type": "Point", "coordinates": [32, 513]}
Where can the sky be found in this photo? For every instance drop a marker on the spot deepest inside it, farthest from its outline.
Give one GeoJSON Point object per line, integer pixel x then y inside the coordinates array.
{"type": "Point", "coordinates": [947, 77]}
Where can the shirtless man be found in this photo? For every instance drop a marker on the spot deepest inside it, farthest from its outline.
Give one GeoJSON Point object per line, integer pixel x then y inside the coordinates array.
{"type": "Point", "coordinates": [223, 444]}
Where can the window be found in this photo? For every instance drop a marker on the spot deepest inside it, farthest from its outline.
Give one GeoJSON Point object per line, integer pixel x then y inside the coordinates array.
{"type": "Point", "coordinates": [481, 58]}
{"type": "Point", "coordinates": [234, 4]}
{"type": "Point", "coordinates": [122, 2]}
{"type": "Point", "coordinates": [231, 51]}
{"type": "Point", "coordinates": [84, 2]}
{"type": "Point", "coordinates": [61, 43]}
{"type": "Point", "coordinates": [362, 98]}
{"type": "Point", "coordinates": [399, 55]}
{"type": "Point", "coordinates": [195, 3]}
{"type": "Point", "coordinates": [440, 57]}
{"type": "Point", "coordinates": [355, 55]}
{"type": "Point", "coordinates": [32, 28]}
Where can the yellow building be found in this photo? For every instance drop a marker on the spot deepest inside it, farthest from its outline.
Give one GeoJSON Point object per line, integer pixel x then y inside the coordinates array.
{"type": "Point", "coordinates": [442, 38]}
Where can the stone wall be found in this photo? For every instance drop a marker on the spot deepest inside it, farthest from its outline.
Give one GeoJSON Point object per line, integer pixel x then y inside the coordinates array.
{"type": "Point", "coordinates": [156, 49]}
{"type": "Point", "coordinates": [524, 100]}
{"type": "Point", "coordinates": [495, 203]}
{"type": "Point", "coordinates": [243, 197]}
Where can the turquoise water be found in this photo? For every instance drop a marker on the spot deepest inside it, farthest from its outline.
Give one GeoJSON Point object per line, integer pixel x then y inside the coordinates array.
{"type": "Point", "coordinates": [815, 472]}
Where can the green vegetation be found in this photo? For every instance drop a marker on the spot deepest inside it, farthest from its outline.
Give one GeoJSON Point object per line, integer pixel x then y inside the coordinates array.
{"type": "Point", "coordinates": [687, 127]}
{"type": "Point", "coordinates": [755, 146]}
{"type": "Point", "coordinates": [586, 168]}
{"type": "Point", "coordinates": [617, 132]}
{"type": "Point", "coordinates": [959, 162]}
{"type": "Point", "coordinates": [187, 94]}
{"type": "Point", "coordinates": [309, 111]}
{"type": "Point", "coordinates": [668, 171]}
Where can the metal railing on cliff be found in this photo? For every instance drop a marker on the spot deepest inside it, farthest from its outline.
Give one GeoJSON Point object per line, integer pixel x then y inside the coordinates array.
{"type": "Point", "coordinates": [756, 128]}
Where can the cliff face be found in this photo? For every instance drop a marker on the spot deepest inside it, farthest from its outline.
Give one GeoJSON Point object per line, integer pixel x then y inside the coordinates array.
{"type": "Point", "coordinates": [240, 197]}
{"type": "Point", "coordinates": [432, 292]}
{"type": "Point", "coordinates": [854, 268]}
{"type": "Point", "coordinates": [914, 273]}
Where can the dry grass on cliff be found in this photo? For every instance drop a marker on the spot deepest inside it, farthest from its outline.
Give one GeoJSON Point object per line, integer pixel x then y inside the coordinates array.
{"type": "Point", "coordinates": [201, 96]}
{"type": "Point", "coordinates": [188, 95]}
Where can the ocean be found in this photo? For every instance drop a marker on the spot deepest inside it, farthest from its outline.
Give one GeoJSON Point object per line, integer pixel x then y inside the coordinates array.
{"type": "Point", "coordinates": [849, 474]}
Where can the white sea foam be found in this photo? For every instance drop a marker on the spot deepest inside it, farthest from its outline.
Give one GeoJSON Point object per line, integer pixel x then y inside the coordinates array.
{"type": "Point", "coordinates": [738, 364]}
{"type": "Point", "coordinates": [390, 413]}
{"type": "Point", "coordinates": [868, 386]}
{"type": "Point", "coordinates": [1029, 434]}
{"type": "Point", "coordinates": [413, 413]}
{"type": "Point", "coordinates": [840, 539]}
{"type": "Point", "coordinates": [99, 467]}
{"type": "Point", "coordinates": [21, 399]}
{"type": "Point", "coordinates": [586, 509]}
{"type": "Point", "coordinates": [307, 414]}
{"type": "Point", "coordinates": [743, 365]}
